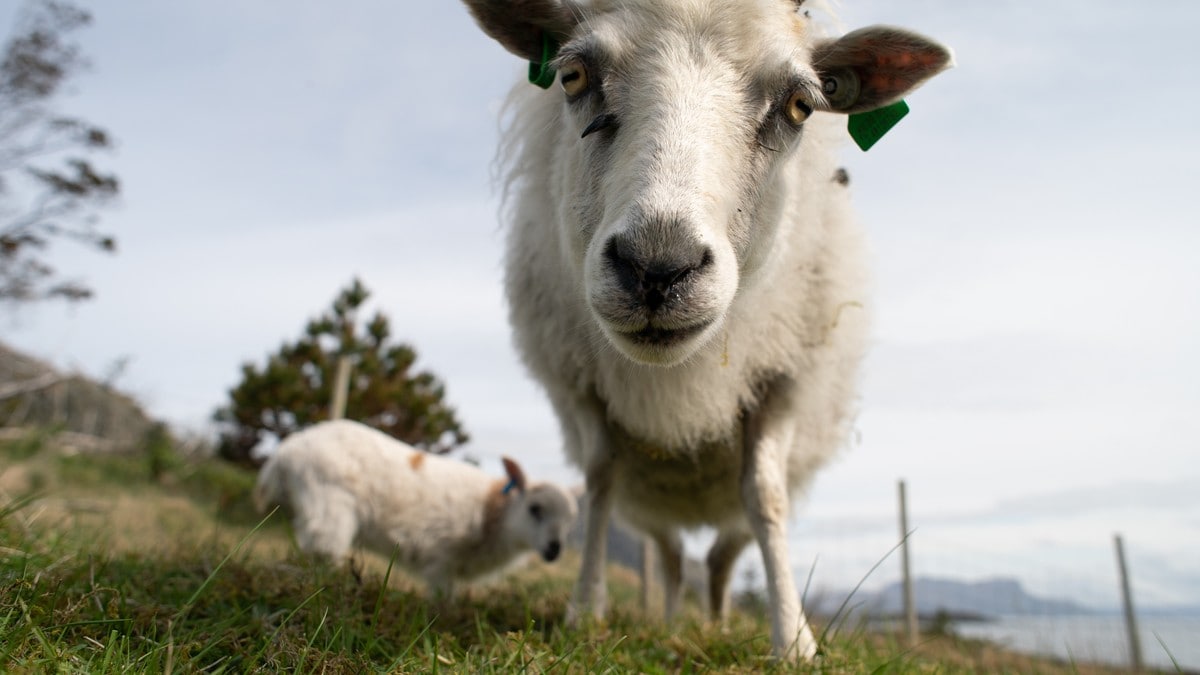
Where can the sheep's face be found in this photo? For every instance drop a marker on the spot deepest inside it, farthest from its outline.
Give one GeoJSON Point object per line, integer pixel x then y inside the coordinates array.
{"type": "Point", "coordinates": [677, 123]}
{"type": "Point", "coordinates": [676, 117]}
{"type": "Point", "coordinates": [541, 517]}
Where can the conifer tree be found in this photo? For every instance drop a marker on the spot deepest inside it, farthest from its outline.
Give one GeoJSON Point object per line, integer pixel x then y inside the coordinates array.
{"type": "Point", "coordinates": [294, 388]}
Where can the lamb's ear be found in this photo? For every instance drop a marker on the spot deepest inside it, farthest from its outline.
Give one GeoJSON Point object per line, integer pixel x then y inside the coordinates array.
{"type": "Point", "coordinates": [872, 67]}
{"type": "Point", "coordinates": [518, 25]}
{"type": "Point", "coordinates": [516, 477]}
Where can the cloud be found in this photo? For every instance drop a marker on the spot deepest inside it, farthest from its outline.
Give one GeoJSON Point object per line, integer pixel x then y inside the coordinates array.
{"type": "Point", "coordinates": [1178, 495]}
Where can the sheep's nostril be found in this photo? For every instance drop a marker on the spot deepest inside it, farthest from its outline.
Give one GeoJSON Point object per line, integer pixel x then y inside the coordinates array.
{"type": "Point", "coordinates": [628, 272]}
{"type": "Point", "coordinates": [654, 279]}
{"type": "Point", "coordinates": [552, 551]}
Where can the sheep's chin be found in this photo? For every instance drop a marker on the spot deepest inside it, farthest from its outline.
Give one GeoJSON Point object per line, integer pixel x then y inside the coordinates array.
{"type": "Point", "coordinates": [659, 348]}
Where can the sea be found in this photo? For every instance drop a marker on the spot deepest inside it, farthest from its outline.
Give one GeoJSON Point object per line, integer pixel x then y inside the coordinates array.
{"type": "Point", "coordinates": [1168, 642]}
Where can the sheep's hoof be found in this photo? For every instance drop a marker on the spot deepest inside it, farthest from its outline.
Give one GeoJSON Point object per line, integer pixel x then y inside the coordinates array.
{"type": "Point", "coordinates": [802, 650]}
{"type": "Point", "coordinates": [356, 569]}
{"type": "Point", "coordinates": [580, 615]}
{"type": "Point", "coordinates": [721, 624]}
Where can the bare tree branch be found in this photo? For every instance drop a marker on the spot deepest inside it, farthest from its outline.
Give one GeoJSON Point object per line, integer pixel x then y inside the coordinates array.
{"type": "Point", "coordinates": [57, 198]}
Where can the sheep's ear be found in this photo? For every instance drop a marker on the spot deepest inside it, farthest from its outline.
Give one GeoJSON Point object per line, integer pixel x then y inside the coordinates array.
{"type": "Point", "coordinates": [518, 25]}
{"type": "Point", "coordinates": [516, 476]}
{"type": "Point", "coordinates": [872, 67]}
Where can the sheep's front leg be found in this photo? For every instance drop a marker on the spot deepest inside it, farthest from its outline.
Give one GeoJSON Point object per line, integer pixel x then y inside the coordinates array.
{"type": "Point", "coordinates": [591, 594]}
{"type": "Point", "coordinates": [670, 553]}
{"type": "Point", "coordinates": [767, 439]}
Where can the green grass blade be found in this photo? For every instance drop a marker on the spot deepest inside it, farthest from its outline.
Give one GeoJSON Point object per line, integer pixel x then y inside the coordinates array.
{"type": "Point", "coordinates": [832, 622]}
{"type": "Point", "coordinates": [187, 606]}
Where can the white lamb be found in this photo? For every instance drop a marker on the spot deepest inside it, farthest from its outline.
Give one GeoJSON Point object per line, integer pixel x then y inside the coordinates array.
{"type": "Point", "coordinates": [445, 520]}
{"type": "Point", "coordinates": [684, 274]}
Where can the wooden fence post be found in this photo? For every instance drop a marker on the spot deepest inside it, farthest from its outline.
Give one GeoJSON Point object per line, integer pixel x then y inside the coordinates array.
{"type": "Point", "coordinates": [341, 383]}
{"type": "Point", "coordinates": [1131, 628]}
{"type": "Point", "coordinates": [910, 604]}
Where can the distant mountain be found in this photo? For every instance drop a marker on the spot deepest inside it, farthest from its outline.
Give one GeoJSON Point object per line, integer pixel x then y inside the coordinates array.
{"type": "Point", "coordinates": [987, 598]}
{"type": "Point", "coordinates": [1169, 610]}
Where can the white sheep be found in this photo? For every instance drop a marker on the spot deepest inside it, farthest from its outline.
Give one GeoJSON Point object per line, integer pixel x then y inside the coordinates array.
{"type": "Point", "coordinates": [445, 520]}
{"type": "Point", "coordinates": [684, 278]}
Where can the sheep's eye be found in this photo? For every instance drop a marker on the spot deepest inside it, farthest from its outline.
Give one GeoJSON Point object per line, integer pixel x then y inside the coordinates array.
{"type": "Point", "coordinates": [841, 88]}
{"type": "Point", "coordinates": [573, 77]}
{"type": "Point", "coordinates": [535, 510]}
{"type": "Point", "coordinates": [798, 107]}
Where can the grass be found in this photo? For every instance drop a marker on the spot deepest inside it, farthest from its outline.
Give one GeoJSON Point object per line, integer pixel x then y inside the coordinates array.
{"type": "Point", "coordinates": [107, 566]}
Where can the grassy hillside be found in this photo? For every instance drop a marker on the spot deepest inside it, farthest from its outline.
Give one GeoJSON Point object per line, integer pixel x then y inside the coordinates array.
{"type": "Point", "coordinates": [106, 569]}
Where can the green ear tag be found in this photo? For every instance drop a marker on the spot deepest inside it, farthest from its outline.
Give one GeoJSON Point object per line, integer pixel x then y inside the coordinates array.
{"type": "Point", "coordinates": [868, 127]}
{"type": "Point", "coordinates": [540, 72]}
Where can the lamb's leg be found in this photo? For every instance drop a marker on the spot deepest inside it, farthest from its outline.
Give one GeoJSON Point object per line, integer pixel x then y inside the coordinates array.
{"type": "Point", "coordinates": [441, 588]}
{"type": "Point", "coordinates": [591, 594]}
{"type": "Point", "coordinates": [721, 557]}
{"type": "Point", "coordinates": [327, 525]}
{"type": "Point", "coordinates": [765, 493]}
{"type": "Point", "coordinates": [670, 552]}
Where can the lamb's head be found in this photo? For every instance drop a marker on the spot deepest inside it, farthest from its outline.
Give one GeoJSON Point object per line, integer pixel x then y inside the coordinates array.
{"type": "Point", "coordinates": [539, 515]}
{"type": "Point", "coordinates": [676, 118]}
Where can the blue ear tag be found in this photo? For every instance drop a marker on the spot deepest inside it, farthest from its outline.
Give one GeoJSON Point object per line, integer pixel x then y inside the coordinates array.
{"type": "Point", "coordinates": [868, 127]}
{"type": "Point", "coordinates": [512, 482]}
{"type": "Point", "coordinates": [540, 72]}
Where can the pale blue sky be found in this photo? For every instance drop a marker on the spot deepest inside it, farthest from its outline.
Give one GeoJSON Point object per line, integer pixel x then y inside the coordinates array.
{"type": "Point", "coordinates": [1034, 224]}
